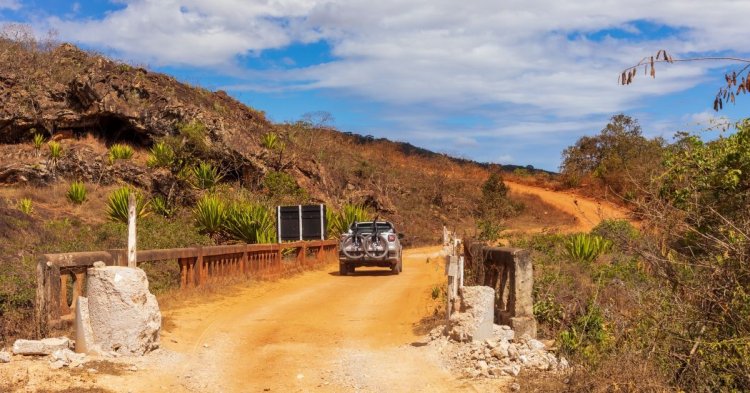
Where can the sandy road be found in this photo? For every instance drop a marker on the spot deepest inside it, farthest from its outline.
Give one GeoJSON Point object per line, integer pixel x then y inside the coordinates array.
{"type": "Point", "coordinates": [313, 332]}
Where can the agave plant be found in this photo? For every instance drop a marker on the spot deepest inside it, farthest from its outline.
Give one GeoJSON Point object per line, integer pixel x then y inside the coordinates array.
{"type": "Point", "coordinates": [269, 140]}
{"type": "Point", "coordinates": [339, 222]}
{"type": "Point", "coordinates": [38, 141]}
{"type": "Point", "coordinates": [206, 176]}
{"type": "Point", "coordinates": [120, 151]}
{"type": "Point", "coordinates": [250, 223]}
{"type": "Point", "coordinates": [161, 206]}
{"type": "Point", "coordinates": [210, 215]}
{"type": "Point", "coordinates": [55, 151]}
{"type": "Point", "coordinates": [586, 248]}
{"type": "Point", "coordinates": [76, 192]}
{"type": "Point", "coordinates": [26, 206]}
{"type": "Point", "coordinates": [117, 205]}
{"type": "Point", "coordinates": [162, 155]}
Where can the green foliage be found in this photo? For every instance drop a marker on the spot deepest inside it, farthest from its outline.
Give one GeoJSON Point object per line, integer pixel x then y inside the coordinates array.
{"type": "Point", "coordinates": [548, 311]}
{"type": "Point", "coordinates": [210, 215]}
{"type": "Point", "coordinates": [161, 206]}
{"type": "Point", "coordinates": [205, 176]}
{"type": "Point", "coordinates": [435, 292]}
{"type": "Point", "coordinates": [281, 185]}
{"type": "Point", "coordinates": [162, 155]}
{"type": "Point", "coordinates": [76, 192]}
{"type": "Point", "coordinates": [586, 248]}
{"type": "Point", "coordinates": [496, 205]}
{"type": "Point", "coordinates": [194, 137]}
{"type": "Point", "coordinates": [619, 232]}
{"type": "Point", "coordinates": [26, 206]}
{"type": "Point", "coordinates": [489, 230]}
{"type": "Point", "coordinates": [270, 140]}
{"type": "Point", "coordinates": [339, 222]}
{"type": "Point", "coordinates": [119, 151]}
{"type": "Point", "coordinates": [117, 205]}
{"type": "Point", "coordinates": [38, 141]}
{"type": "Point", "coordinates": [55, 151]}
{"type": "Point", "coordinates": [588, 336]}
{"type": "Point", "coordinates": [250, 223]}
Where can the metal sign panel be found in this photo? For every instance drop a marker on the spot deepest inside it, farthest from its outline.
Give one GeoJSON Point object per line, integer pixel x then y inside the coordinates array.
{"type": "Point", "coordinates": [301, 222]}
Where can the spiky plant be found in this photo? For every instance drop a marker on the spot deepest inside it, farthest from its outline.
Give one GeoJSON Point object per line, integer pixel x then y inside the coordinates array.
{"type": "Point", "coordinates": [210, 215]}
{"type": "Point", "coordinates": [250, 223]}
{"type": "Point", "coordinates": [38, 141]}
{"type": "Point", "coordinates": [120, 151]}
{"type": "Point", "coordinates": [76, 192]}
{"type": "Point", "coordinates": [161, 206]}
{"type": "Point", "coordinates": [269, 140]}
{"type": "Point", "coordinates": [586, 248]}
{"type": "Point", "coordinates": [55, 151]}
{"type": "Point", "coordinates": [206, 176]}
{"type": "Point", "coordinates": [26, 206]}
{"type": "Point", "coordinates": [117, 205]}
{"type": "Point", "coordinates": [340, 222]}
{"type": "Point", "coordinates": [162, 155]}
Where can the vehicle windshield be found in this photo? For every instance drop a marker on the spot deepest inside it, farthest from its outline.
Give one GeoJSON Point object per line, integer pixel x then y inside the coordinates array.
{"type": "Point", "coordinates": [366, 227]}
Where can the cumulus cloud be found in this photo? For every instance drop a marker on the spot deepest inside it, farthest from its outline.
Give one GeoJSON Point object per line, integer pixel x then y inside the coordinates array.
{"type": "Point", "coordinates": [10, 4]}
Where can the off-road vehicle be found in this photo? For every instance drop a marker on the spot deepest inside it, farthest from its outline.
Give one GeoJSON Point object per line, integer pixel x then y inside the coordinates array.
{"type": "Point", "coordinates": [370, 243]}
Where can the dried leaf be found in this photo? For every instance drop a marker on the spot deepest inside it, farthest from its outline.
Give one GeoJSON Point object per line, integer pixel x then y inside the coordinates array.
{"type": "Point", "coordinates": [731, 98]}
{"type": "Point", "coordinates": [716, 104]}
{"type": "Point", "coordinates": [734, 78]}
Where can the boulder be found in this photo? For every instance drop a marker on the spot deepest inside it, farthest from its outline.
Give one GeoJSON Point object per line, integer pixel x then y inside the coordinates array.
{"type": "Point", "coordinates": [124, 316]}
{"type": "Point", "coordinates": [5, 357]}
{"type": "Point", "coordinates": [40, 347]}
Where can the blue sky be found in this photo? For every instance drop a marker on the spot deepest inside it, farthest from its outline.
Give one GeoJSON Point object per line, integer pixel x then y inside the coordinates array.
{"type": "Point", "coordinates": [508, 82]}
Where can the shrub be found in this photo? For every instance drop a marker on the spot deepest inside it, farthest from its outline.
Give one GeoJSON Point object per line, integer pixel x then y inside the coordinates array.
{"type": "Point", "coordinates": [339, 222]}
{"type": "Point", "coordinates": [117, 205]}
{"type": "Point", "coordinates": [76, 192]}
{"type": "Point", "coordinates": [210, 215]}
{"type": "Point", "coordinates": [588, 336]}
{"type": "Point", "coordinates": [489, 230]}
{"type": "Point", "coordinates": [250, 223]}
{"type": "Point", "coordinates": [620, 232]}
{"type": "Point", "coordinates": [206, 176]}
{"type": "Point", "coordinates": [120, 151]}
{"type": "Point", "coordinates": [161, 206]}
{"type": "Point", "coordinates": [162, 155]}
{"type": "Point", "coordinates": [586, 248]}
{"type": "Point", "coordinates": [283, 185]}
{"type": "Point", "coordinates": [38, 140]}
{"type": "Point", "coordinates": [55, 151]}
{"type": "Point", "coordinates": [269, 140]}
{"type": "Point", "coordinates": [26, 206]}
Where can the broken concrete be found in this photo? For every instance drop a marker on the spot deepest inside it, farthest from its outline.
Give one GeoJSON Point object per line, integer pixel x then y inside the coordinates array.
{"type": "Point", "coordinates": [85, 341]}
{"type": "Point", "coordinates": [474, 317]}
{"type": "Point", "coordinates": [66, 357]}
{"type": "Point", "coordinates": [40, 347]}
{"type": "Point", "coordinates": [5, 357]}
{"type": "Point", "coordinates": [124, 316]}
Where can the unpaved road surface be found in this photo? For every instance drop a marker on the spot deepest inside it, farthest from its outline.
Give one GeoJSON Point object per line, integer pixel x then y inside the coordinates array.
{"type": "Point", "coordinates": [587, 212]}
{"type": "Point", "coordinates": [315, 332]}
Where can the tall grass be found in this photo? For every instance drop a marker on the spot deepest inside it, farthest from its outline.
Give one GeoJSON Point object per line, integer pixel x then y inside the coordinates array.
{"type": "Point", "coordinates": [117, 205]}
{"type": "Point", "coordinates": [585, 247]}
{"type": "Point", "coordinates": [250, 223]}
{"type": "Point", "coordinates": [76, 192]}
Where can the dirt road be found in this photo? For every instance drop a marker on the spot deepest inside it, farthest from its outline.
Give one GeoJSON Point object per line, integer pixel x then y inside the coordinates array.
{"type": "Point", "coordinates": [587, 212]}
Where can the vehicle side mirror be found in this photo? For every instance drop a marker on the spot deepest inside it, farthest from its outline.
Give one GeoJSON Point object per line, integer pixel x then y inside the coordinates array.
{"type": "Point", "coordinates": [400, 236]}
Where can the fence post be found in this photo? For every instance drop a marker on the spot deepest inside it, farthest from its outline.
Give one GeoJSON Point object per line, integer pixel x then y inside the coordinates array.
{"type": "Point", "coordinates": [131, 230]}
{"type": "Point", "coordinates": [41, 308]}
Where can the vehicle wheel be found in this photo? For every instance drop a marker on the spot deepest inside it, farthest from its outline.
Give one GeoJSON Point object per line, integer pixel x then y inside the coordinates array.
{"type": "Point", "coordinates": [395, 269]}
{"type": "Point", "coordinates": [343, 269]}
{"type": "Point", "coordinates": [351, 268]}
{"type": "Point", "coordinates": [400, 265]}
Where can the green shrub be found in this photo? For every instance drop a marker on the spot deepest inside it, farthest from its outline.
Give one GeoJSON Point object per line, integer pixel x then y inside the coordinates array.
{"type": "Point", "coordinates": [282, 185]}
{"type": "Point", "coordinates": [55, 151]}
{"type": "Point", "coordinates": [250, 223]}
{"type": "Point", "coordinates": [586, 248]}
{"type": "Point", "coordinates": [120, 151]}
{"type": "Point", "coordinates": [210, 215]}
{"type": "Point", "coordinates": [161, 206]}
{"type": "Point", "coordinates": [588, 336]}
{"type": "Point", "coordinates": [38, 141]}
{"type": "Point", "coordinates": [26, 206]}
{"type": "Point", "coordinates": [339, 222]}
{"type": "Point", "coordinates": [76, 192]}
{"type": "Point", "coordinates": [489, 230]}
{"type": "Point", "coordinates": [117, 205]}
{"type": "Point", "coordinates": [206, 176]}
{"type": "Point", "coordinates": [269, 140]}
{"type": "Point", "coordinates": [620, 232]}
{"type": "Point", "coordinates": [162, 155]}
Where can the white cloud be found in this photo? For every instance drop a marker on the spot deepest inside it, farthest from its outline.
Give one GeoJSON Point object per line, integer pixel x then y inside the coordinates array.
{"type": "Point", "coordinates": [10, 4]}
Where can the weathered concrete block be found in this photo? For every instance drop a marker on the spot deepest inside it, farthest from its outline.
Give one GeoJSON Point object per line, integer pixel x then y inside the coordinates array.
{"type": "Point", "coordinates": [524, 326]}
{"type": "Point", "coordinates": [474, 319]}
{"type": "Point", "coordinates": [40, 347]}
{"type": "Point", "coordinates": [5, 357]}
{"type": "Point", "coordinates": [124, 316]}
{"type": "Point", "coordinates": [85, 341]}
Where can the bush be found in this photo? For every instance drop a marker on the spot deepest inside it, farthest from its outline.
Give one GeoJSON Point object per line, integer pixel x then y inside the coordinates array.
{"type": "Point", "coordinates": [620, 232]}
{"type": "Point", "coordinates": [120, 151]}
{"type": "Point", "coordinates": [38, 141]}
{"type": "Point", "coordinates": [161, 206]}
{"type": "Point", "coordinates": [162, 155]}
{"type": "Point", "coordinates": [26, 206]}
{"type": "Point", "coordinates": [210, 215]}
{"type": "Point", "coordinates": [117, 205]}
{"type": "Point", "coordinates": [55, 151]}
{"type": "Point", "coordinates": [270, 141]}
{"type": "Point", "coordinates": [206, 176]}
{"type": "Point", "coordinates": [250, 223]}
{"type": "Point", "coordinates": [76, 192]}
{"type": "Point", "coordinates": [588, 336]}
{"type": "Point", "coordinates": [586, 248]}
{"type": "Point", "coordinates": [339, 222]}
{"type": "Point", "coordinates": [282, 185]}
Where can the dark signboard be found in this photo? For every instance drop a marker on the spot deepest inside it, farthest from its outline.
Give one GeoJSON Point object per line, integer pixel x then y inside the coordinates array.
{"type": "Point", "coordinates": [301, 222]}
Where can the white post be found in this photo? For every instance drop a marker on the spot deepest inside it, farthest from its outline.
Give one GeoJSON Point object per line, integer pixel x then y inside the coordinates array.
{"type": "Point", "coordinates": [461, 272]}
{"type": "Point", "coordinates": [131, 229]}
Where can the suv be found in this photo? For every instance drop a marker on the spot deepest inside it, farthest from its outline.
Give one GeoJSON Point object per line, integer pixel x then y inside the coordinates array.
{"type": "Point", "coordinates": [370, 243]}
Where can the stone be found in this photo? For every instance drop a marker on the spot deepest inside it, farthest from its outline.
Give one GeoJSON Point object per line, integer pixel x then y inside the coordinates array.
{"type": "Point", "coordinates": [513, 351]}
{"type": "Point", "coordinates": [512, 370]}
{"type": "Point", "coordinates": [524, 326]}
{"type": "Point", "coordinates": [515, 387]}
{"type": "Point", "coordinates": [5, 357]}
{"type": "Point", "coordinates": [99, 264]}
{"type": "Point", "coordinates": [474, 318]}
{"type": "Point", "coordinates": [534, 344]}
{"type": "Point", "coordinates": [123, 314]}
{"type": "Point", "coordinates": [40, 347]}
{"type": "Point", "coordinates": [501, 350]}
{"type": "Point", "coordinates": [85, 341]}
{"type": "Point", "coordinates": [67, 357]}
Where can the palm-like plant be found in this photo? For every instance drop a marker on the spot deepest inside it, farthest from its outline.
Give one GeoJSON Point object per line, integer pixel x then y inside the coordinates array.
{"type": "Point", "coordinates": [55, 151]}
{"type": "Point", "coordinates": [117, 205]}
{"type": "Point", "coordinates": [119, 151]}
{"type": "Point", "coordinates": [161, 206]}
{"type": "Point", "coordinates": [206, 176]}
{"type": "Point", "coordinates": [586, 248]}
{"type": "Point", "coordinates": [339, 222]}
{"type": "Point", "coordinates": [26, 206]}
{"type": "Point", "coordinates": [210, 215]}
{"type": "Point", "coordinates": [76, 192]}
{"type": "Point", "coordinates": [250, 223]}
{"type": "Point", "coordinates": [162, 155]}
{"type": "Point", "coordinates": [38, 141]}
{"type": "Point", "coordinates": [269, 140]}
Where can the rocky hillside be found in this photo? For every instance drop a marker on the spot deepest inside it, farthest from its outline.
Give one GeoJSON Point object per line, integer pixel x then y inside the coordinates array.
{"type": "Point", "coordinates": [89, 102]}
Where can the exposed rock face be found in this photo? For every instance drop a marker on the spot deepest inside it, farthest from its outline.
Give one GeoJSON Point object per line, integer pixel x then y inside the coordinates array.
{"type": "Point", "coordinates": [40, 347]}
{"type": "Point", "coordinates": [474, 317]}
{"type": "Point", "coordinates": [124, 315]}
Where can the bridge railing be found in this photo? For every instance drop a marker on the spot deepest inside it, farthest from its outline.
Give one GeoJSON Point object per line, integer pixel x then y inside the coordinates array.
{"type": "Point", "coordinates": [56, 273]}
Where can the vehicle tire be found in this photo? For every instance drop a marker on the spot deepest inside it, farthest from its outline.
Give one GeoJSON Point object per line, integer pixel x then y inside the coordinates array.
{"type": "Point", "coordinates": [351, 268]}
{"type": "Point", "coordinates": [343, 269]}
{"type": "Point", "coordinates": [394, 269]}
{"type": "Point", "coordinates": [400, 265]}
